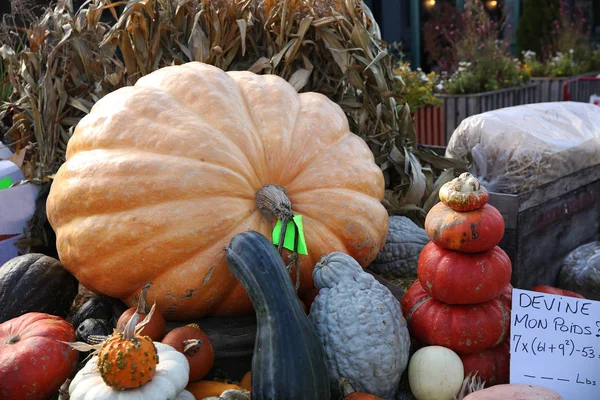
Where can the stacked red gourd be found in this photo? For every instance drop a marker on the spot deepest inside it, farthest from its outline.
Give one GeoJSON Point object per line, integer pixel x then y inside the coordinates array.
{"type": "Point", "coordinates": [462, 299]}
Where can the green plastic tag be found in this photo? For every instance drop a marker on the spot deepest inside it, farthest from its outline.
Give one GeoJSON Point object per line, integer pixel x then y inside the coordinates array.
{"type": "Point", "coordinates": [290, 235]}
{"type": "Point", "coordinates": [5, 183]}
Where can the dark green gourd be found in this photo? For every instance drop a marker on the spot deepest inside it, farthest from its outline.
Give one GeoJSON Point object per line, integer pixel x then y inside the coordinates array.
{"type": "Point", "coordinates": [35, 283]}
{"type": "Point", "coordinates": [289, 361]}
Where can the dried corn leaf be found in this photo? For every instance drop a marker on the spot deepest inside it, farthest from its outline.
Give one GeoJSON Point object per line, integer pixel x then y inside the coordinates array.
{"type": "Point", "coordinates": [330, 46]}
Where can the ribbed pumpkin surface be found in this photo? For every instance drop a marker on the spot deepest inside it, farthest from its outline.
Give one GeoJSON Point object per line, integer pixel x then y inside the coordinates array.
{"type": "Point", "coordinates": [461, 328]}
{"type": "Point", "coordinates": [160, 176]}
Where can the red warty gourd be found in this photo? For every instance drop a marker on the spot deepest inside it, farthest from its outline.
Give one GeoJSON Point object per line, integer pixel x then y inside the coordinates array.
{"type": "Point", "coordinates": [463, 278]}
{"type": "Point", "coordinates": [176, 165]}
{"type": "Point", "coordinates": [461, 328]}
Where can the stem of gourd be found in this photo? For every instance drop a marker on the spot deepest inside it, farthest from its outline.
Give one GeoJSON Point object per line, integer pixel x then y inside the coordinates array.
{"type": "Point", "coordinates": [142, 306]}
{"type": "Point", "coordinates": [191, 346]}
{"type": "Point", "coordinates": [272, 201]}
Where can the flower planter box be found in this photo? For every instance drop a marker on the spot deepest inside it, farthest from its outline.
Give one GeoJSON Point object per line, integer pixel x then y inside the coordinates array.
{"type": "Point", "coordinates": [459, 107]}
{"type": "Point", "coordinates": [551, 89]}
{"type": "Point", "coordinates": [429, 126]}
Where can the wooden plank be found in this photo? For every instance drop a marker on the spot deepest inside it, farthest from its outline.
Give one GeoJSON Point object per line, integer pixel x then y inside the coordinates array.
{"type": "Point", "coordinates": [560, 208]}
{"type": "Point", "coordinates": [558, 187]}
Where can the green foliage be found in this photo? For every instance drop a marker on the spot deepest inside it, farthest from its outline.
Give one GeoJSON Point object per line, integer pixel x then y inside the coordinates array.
{"type": "Point", "coordinates": [419, 88]}
{"type": "Point", "coordinates": [485, 63]}
{"type": "Point", "coordinates": [536, 24]}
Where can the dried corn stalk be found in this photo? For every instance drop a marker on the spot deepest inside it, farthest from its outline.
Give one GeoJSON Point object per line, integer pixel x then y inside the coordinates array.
{"type": "Point", "coordinates": [73, 58]}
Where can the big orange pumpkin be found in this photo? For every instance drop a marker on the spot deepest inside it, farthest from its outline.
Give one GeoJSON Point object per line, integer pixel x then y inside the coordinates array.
{"type": "Point", "coordinates": [161, 175]}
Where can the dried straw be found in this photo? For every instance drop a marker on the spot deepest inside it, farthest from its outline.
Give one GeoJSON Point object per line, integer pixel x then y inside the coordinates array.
{"type": "Point", "coordinates": [74, 57]}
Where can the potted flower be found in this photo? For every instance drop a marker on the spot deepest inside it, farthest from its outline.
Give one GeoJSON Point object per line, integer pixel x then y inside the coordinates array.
{"type": "Point", "coordinates": [565, 51]}
{"type": "Point", "coordinates": [419, 92]}
{"type": "Point", "coordinates": [482, 73]}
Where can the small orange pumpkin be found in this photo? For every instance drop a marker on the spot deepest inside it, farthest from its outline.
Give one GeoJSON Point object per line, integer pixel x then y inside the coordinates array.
{"type": "Point", "coordinates": [203, 389]}
{"type": "Point", "coordinates": [155, 329]}
{"type": "Point", "coordinates": [127, 359]}
{"type": "Point", "coordinates": [246, 382]}
{"type": "Point", "coordinates": [349, 393]}
{"type": "Point", "coordinates": [195, 344]}
{"type": "Point", "coordinates": [464, 193]}
{"type": "Point", "coordinates": [361, 396]}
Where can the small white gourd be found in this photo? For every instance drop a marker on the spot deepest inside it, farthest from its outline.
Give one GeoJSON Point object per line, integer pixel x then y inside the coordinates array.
{"type": "Point", "coordinates": [435, 373]}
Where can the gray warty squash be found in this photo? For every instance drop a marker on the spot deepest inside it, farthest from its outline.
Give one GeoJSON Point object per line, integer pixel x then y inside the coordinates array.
{"type": "Point", "coordinates": [400, 253]}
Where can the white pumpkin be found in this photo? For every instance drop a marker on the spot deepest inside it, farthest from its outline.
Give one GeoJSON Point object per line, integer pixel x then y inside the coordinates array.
{"type": "Point", "coordinates": [169, 382]}
{"type": "Point", "coordinates": [435, 373]}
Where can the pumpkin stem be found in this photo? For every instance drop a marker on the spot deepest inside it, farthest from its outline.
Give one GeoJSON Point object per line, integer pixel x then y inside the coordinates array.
{"type": "Point", "coordinates": [191, 346]}
{"type": "Point", "coordinates": [142, 306]}
{"type": "Point", "coordinates": [129, 332]}
{"type": "Point", "coordinates": [272, 201]}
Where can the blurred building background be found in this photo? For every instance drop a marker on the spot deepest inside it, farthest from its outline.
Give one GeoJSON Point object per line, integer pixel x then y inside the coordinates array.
{"type": "Point", "coordinates": [402, 21]}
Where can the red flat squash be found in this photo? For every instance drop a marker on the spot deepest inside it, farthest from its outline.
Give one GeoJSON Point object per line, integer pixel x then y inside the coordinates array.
{"type": "Point", "coordinates": [492, 365]}
{"type": "Point", "coordinates": [461, 328]}
{"type": "Point", "coordinates": [470, 232]}
{"type": "Point", "coordinates": [463, 278]}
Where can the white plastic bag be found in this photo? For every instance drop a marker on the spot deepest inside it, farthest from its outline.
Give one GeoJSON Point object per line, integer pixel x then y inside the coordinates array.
{"type": "Point", "coordinates": [516, 149]}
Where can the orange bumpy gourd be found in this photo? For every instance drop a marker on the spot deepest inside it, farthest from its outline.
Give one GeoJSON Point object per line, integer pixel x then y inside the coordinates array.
{"type": "Point", "coordinates": [127, 359]}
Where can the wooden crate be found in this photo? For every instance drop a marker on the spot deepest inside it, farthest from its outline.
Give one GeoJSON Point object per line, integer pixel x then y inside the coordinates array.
{"type": "Point", "coordinates": [459, 107]}
{"type": "Point", "coordinates": [545, 224]}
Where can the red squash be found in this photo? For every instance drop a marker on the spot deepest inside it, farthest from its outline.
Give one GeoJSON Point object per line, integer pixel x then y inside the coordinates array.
{"type": "Point", "coordinates": [195, 344]}
{"type": "Point", "coordinates": [33, 361]}
{"type": "Point", "coordinates": [492, 365]}
{"type": "Point", "coordinates": [557, 291]}
{"type": "Point", "coordinates": [470, 232]}
{"type": "Point", "coordinates": [463, 278]}
{"type": "Point", "coordinates": [461, 328]}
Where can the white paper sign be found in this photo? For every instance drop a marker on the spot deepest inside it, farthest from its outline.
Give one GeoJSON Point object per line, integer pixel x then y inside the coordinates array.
{"type": "Point", "coordinates": [555, 342]}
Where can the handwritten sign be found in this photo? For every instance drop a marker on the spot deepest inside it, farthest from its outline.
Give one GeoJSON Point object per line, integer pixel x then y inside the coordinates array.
{"type": "Point", "coordinates": [555, 342]}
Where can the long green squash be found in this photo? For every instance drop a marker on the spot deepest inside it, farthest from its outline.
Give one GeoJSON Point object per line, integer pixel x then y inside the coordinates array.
{"type": "Point", "coordinates": [289, 361]}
